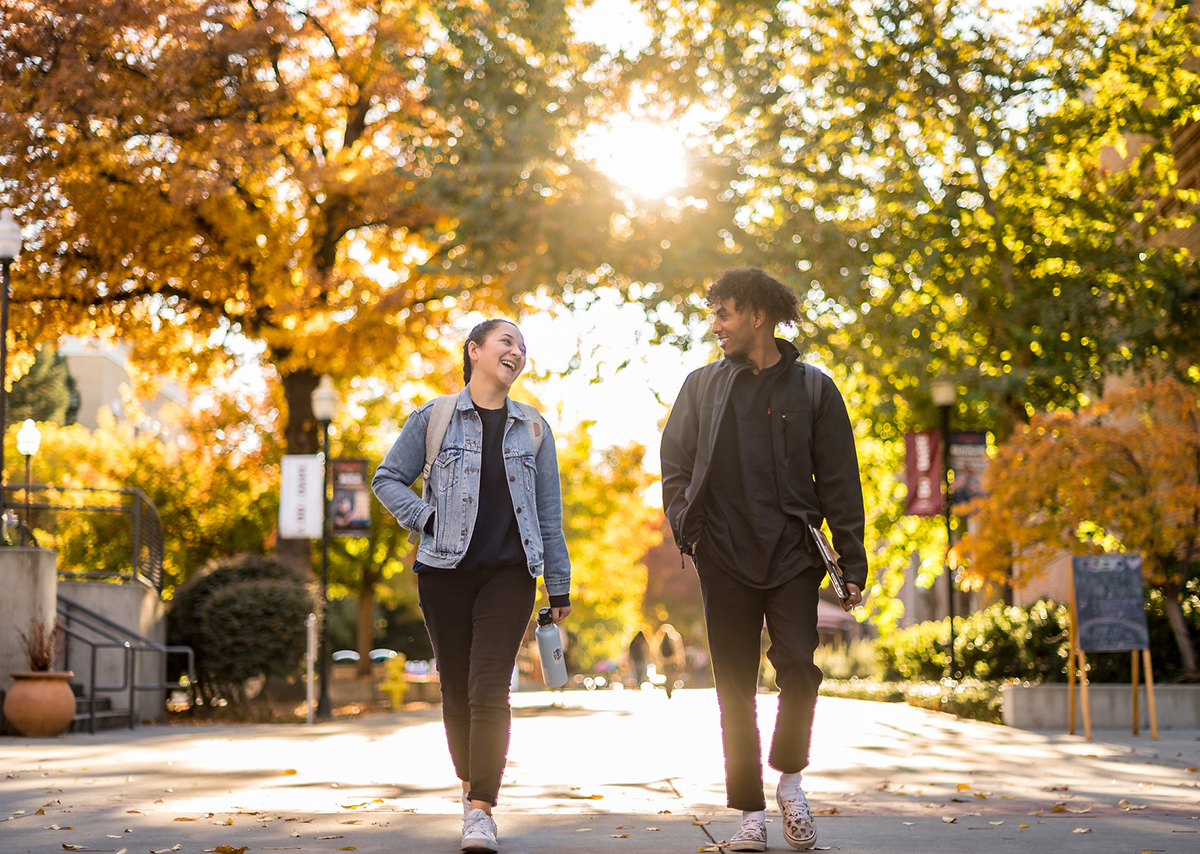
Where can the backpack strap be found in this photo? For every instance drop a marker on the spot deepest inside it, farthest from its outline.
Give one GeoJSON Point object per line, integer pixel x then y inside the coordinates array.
{"type": "Point", "coordinates": [813, 381]}
{"type": "Point", "coordinates": [536, 428]}
{"type": "Point", "coordinates": [435, 431]}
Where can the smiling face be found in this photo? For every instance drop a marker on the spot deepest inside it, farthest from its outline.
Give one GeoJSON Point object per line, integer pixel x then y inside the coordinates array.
{"type": "Point", "coordinates": [501, 356]}
{"type": "Point", "coordinates": [735, 328]}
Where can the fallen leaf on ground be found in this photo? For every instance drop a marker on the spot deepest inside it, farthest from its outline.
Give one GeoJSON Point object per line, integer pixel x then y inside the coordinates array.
{"type": "Point", "coordinates": [352, 821]}
{"type": "Point", "coordinates": [183, 818]}
{"type": "Point", "coordinates": [295, 834]}
{"type": "Point", "coordinates": [995, 823]}
{"type": "Point", "coordinates": [330, 837]}
{"type": "Point", "coordinates": [583, 830]}
{"type": "Point", "coordinates": [1128, 807]}
{"type": "Point", "coordinates": [652, 828]}
{"type": "Point", "coordinates": [348, 848]}
{"type": "Point", "coordinates": [624, 826]}
{"type": "Point", "coordinates": [175, 847]}
{"type": "Point", "coordinates": [827, 811]}
{"type": "Point", "coordinates": [949, 819]}
{"type": "Point", "coordinates": [1082, 830]}
{"type": "Point", "coordinates": [981, 795]}
{"type": "Point", "coordinates": [56, 827]}
{"type": "Point", "coordinates": [699, 823]}
{"type": "Point", "coordinates": [618, 836]}
{"type": "Point", "coordinates": [595, 797]}
{"type": "Point", "coordinates": [227, 849]}
{"type": "Point", "coordinates": [69, 847]}
{"type": "Point", "coordinates": [964, 787]}
{"type": "Point", "coordinates": [287, 772]}
{"type": "Point", "coordinates": [910, 824]}
{"type": "Point", "coordinates": [1022, 825]}
{"type": "Point", "coordinates": [226, 823]}
{"type": "Point", "coordinates": [709, 848]}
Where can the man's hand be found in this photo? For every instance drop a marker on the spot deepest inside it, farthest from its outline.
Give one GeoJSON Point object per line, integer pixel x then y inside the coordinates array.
{"type": "Point", "coordinates": [855, 597]}
{"type": "Point", "coordinates": [560, 614]}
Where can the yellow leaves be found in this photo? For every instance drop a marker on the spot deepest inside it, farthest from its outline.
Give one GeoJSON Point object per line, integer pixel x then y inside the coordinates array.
{"type": "Point", "coordinates": [227, 849]}
{"type": "Point", "coordinates": [289, 772]}
{"type": "Point", "coordinates": [964, 787]}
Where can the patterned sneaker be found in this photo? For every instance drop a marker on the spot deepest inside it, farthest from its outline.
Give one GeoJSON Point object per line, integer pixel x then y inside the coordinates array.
{"type": "Point", "coordinates": [798, 827]}
{"type": "Point", "coordinates": [479, 833]}
{"type": "Point", "coordinates": [751, 837]}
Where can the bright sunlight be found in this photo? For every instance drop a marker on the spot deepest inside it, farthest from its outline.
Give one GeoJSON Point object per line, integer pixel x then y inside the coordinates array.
{"type": "Point", "coordinates": [641, 155]}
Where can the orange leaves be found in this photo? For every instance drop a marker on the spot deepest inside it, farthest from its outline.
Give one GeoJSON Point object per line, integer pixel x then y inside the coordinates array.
{"type": "Point", "coordinates": [1120, 474]}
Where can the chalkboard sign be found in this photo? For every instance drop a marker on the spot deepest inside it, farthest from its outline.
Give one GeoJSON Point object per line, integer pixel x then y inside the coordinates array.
{"type": "Point", "coordinates": [1110, 605]}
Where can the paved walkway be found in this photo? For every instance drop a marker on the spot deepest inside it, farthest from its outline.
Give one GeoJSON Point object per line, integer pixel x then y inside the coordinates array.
{"type": "Point", "coordinates": [619, 772]}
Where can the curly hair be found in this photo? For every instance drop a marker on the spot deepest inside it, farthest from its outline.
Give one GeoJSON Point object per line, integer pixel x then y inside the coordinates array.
{"type": "Point", "coordinates": [750, 288]}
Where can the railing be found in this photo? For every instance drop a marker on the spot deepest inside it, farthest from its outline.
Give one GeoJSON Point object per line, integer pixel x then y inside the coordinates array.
{"type": "Point", "coordinates": [126, 553]}
{"type": "Point", "coordinates": [97, 632]}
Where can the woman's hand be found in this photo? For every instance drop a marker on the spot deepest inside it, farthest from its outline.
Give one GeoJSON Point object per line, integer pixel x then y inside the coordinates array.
{"type": "Point", "coordinates": [559, 614]}
{"type": "Point", "coordinates": [855, 597]}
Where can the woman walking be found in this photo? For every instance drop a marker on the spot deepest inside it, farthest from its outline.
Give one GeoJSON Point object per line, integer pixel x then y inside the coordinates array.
{"type": "Point", "coordinates": [491, 523]}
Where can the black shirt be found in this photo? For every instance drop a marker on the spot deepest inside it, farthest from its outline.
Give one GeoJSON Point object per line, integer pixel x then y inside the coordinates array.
{"type": "Point", "coordinates": [496, 539]}
{"type": "Point", "coordinates": [746, 531]}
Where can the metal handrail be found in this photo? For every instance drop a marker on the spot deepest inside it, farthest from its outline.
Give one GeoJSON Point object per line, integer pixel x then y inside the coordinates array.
{"type": "Point", "coordinates": [134, 643]}
{"type": "Point", "coordinates": [147, 533]}
{"type": "Point", "coordinates": [93, 688]}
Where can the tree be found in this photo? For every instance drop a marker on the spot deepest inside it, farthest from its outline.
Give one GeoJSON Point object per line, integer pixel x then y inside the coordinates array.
{"type": "Point", "coordinates": [46, 393]}
{"type": "Point", "coordinates": [936, 185]}
{"type": "Point", "coordinates": [608, 528]}
{"type": "Point", "coordinates": [1120, 475]}
{"type": "Point", "coordinates": [331, 179]}
{"type": "Point", "coordinates": [216, 489]}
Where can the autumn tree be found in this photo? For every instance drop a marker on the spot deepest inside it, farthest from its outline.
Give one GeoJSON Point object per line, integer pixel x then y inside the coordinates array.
{"type": "Point", "coordinates": [46, 393]}
{"type": "Point", "coordinates": [214, 488]}
{"type": "Point", "coordinates": [933, 179]}
{"type": "Point", "coordinates": [330, 179]}
{"type": "Point", "coordinates": [1120, 475]}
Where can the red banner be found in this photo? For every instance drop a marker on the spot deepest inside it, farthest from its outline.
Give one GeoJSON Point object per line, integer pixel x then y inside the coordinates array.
{"type": "Point", "coordinates": [923, 473]}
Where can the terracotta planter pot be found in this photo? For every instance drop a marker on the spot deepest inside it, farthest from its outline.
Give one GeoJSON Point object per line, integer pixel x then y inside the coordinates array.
{"type": "Point", "coordinates": [40, 705]}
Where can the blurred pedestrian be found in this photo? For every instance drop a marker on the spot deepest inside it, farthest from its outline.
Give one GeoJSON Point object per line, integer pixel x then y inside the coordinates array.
{"type": "Point", "coordinates": [670, 657]}
{"type": "Point", "coordinates": [639, 659]}
{"type": "Point", "coordinates": [491, 523]}
{"type": "Point", "coordinates": [758, 447]}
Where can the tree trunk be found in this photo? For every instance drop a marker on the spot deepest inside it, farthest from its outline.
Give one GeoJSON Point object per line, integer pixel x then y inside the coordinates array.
{"type": "Point", "coordinates": [1179, 627]}
{"type": "Point", "coordinates": [366, 624]}
{"type": "Point", "coordinates": [302, 436]}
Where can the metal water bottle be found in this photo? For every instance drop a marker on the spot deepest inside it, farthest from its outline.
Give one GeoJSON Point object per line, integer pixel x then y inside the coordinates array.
{"type": "Point", "coordinates": [550, 651]}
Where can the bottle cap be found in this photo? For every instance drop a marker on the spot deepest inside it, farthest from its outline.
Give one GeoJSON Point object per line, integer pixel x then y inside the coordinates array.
{"type": "Point", "coordinates": [544, 618]}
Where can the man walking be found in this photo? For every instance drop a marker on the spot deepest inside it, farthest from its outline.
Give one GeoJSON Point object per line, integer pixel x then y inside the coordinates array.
{"type": "Point", "coordinates": [747, 466]}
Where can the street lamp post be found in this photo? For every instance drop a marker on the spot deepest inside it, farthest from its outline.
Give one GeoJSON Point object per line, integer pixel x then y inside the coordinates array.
{"type": "Point", "coordinates": [10, 248]}
{"type": "Point", "coordinates": [943, 391]}
{"type": "Point", "coordinates": [324, 407]}
{"type": "Point", "coordinates": [29, 439]}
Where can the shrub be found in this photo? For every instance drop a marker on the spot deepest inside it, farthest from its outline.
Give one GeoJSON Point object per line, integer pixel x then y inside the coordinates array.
{"type": "Point", "coordinates": [996, 644]}
{"type": "Point", "coordinates": [241, 616]}
{"type": "Point", "coordinates": [253, 629]}
{"type": "Point", "coordinates": [847, 661]}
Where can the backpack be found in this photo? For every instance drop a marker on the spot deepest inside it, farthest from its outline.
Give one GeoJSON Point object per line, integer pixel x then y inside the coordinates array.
{"type": "Point", "coordinates": [435, 433]}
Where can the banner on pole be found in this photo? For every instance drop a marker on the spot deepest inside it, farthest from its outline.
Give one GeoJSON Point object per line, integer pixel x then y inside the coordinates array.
{"type": "Point", "coordinates": [968, 460]}
{"type": "Point", "coordinates": [351, 499]}
{"type": "Point", "coordinates": [923, 473]}
{"type": "Point", "coordinates": [301, 492]}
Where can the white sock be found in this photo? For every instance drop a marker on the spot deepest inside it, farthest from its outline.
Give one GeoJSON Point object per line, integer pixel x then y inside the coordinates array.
{"type": "Point", "coordinates": [789, 786]}
{"type": "Point", "coordinates": [757, 815]}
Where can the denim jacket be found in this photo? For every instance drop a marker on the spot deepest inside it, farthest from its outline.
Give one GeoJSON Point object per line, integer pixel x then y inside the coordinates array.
{"type": "Point", "coordinates": [454, 490]}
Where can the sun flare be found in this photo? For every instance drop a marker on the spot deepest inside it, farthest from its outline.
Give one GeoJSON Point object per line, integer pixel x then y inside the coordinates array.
{"type": "Point", "coordinates": [645, 157]}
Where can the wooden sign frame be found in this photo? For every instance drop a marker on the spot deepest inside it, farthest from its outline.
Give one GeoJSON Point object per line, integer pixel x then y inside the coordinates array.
{"type": "Point", "coordinates": [1077, 662]}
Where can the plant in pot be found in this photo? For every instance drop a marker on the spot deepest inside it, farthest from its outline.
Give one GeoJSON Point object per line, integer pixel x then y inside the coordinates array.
{"type": "Point", "coordinates": [40, 702]}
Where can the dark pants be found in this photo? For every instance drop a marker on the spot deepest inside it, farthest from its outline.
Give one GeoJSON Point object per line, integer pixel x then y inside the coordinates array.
{"type": "Point", "coordinates": [476, 620]}
{"type": "Point", "coordinates": [735, 613]}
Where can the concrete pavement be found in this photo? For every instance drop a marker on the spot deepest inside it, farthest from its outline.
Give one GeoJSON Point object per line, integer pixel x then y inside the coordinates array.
{"type": "Point", "coordinates": [620, 772]}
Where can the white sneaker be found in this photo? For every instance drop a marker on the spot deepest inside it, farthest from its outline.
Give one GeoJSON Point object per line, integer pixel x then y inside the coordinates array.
{"type": "Point", "coordinates": [466, 804]}
{"type": "Point", "coordinates": [479, 833]}
{"type": "Point", "coordinates": [751, 837]}
{"type": "Point", "coordinates": [798, 827]}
